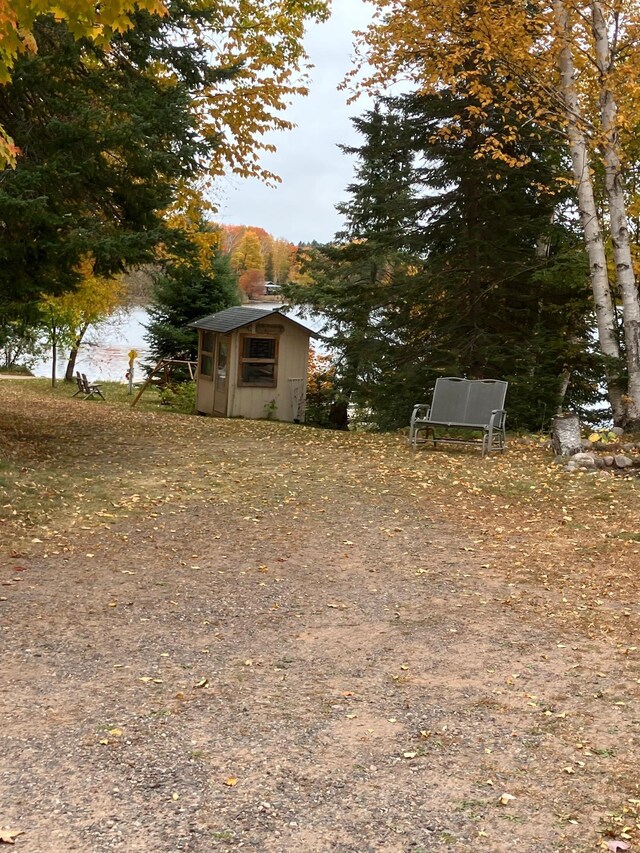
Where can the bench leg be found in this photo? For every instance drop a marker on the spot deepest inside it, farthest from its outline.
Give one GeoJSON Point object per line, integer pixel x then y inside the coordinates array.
{"type": "Point", "coordinates": [414, 436]}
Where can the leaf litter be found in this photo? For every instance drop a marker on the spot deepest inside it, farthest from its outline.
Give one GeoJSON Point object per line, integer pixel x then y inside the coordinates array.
{"type": "Point", "coordinates": [471, 569]}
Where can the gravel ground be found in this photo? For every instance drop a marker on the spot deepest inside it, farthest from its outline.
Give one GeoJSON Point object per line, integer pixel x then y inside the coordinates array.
{"type": "Point", "coordinates": [339, 672]}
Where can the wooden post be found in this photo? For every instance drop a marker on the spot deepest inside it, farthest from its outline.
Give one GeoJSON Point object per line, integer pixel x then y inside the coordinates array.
{"type": "Point", "coordinates": [565, 434]}
{"type": "Point", "coordinates": [148, 381]}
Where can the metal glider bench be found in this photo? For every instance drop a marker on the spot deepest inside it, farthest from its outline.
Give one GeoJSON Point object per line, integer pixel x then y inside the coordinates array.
{"type": "Point", "coordinates": [462, 404]}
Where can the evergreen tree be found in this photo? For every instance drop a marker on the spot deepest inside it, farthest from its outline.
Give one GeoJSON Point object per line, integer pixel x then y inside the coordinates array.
{"type": "Point", "coordinates": [106, 138]}
{"type": "Point", "coordinates": [184, 292]}
{"type": "Point", "coordinates": [451, 265]}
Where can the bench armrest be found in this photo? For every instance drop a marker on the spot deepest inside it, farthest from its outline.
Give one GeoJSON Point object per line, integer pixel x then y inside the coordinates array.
{"type": "Point", "coordinates": [421, 412]}
{"type": "Point", "coordinates": [497, 418]}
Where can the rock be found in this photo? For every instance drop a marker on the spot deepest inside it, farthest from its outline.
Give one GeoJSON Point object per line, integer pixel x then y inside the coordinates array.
{"type": "Point", "coordinates": [599, 462]}
{"type": "Point", "coordinates": [584, 460]}
{"type": "Point", "coordinates": [627, 447]}
{"type": "Point", "coordinates": [560, 460]}
{"type": "Point", "coordinates": [617, 430]}
{"type": "Point", "coordinates": [586, 444]}
{"type": "Point", "coordinates": [621, 461]}
{"type": "Point", "coordinates": [608, 461]}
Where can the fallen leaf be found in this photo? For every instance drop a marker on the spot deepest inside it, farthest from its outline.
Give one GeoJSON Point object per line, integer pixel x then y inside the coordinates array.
{"type": "Point", "coordinates": [614, 845]}
{"type": "Point", "coordinates": [231, 782]}
{"type": "Point", "coordinates": [8, 836]}
{"type": "Point", "coordinates": [505, 799]}
{"type": "Point", "coordinates": [202, 683]}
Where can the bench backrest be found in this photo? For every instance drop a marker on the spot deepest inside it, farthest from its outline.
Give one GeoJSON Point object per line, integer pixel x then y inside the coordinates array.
{"type": "Point", "coordinates": [467, 401]}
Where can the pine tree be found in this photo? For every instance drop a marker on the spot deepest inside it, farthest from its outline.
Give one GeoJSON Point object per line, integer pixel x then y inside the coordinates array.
{"type": "Point", "coordinates": [450, 266]}
{"type": "Point", "coordinates": [185, 292]}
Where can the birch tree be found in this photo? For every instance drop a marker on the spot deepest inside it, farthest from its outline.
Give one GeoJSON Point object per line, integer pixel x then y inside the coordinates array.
{"type": "Point", "coordinates": [567, 64]}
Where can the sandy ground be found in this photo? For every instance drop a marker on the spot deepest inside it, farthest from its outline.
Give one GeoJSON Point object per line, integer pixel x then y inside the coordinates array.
{"type": "Point", "coordinates": [302, 655]}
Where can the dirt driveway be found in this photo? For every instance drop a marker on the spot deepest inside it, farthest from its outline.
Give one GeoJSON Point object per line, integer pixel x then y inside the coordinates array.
{"type": "Point", "coordinates": [233, 635]}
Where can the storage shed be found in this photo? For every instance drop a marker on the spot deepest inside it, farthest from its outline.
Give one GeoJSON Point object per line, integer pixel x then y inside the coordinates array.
{"type": "Point", "coordinates": [252, 363]}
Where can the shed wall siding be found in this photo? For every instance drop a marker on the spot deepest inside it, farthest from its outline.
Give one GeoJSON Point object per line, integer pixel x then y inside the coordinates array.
{"type": "Point", "coordinates": [293, 356]}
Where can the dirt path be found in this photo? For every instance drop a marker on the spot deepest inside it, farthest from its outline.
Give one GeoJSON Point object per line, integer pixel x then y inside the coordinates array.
{"type": "Point", "coordinates": [303, 655]}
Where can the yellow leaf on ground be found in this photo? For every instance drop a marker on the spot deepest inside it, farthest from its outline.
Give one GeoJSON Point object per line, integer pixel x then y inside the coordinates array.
{"type": "Point", "coordinates": [231, 782]}
{"type": "Point", "coordinates": [505, 799]}
{"type": "Point", "coordinates": [8, 836]}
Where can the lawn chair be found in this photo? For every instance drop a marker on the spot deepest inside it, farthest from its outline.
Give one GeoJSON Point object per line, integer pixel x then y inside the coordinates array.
{"type": "Point", "coordinates": [462, 404]}
{"type": "Point", "coordinates": [80, 384]}
{"type": "Point", "coordinates": [89, 389]}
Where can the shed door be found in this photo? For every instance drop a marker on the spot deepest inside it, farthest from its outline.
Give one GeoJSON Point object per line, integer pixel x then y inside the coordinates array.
{"type": "Point", "coordinates": [221, 378]}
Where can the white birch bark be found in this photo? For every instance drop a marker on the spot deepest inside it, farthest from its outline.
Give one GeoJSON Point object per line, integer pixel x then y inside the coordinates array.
{"type": "Point", "coordinates": [594, 241]}
{"type": "Point", "coordinates": [565, 434]}
{"type": "Point", "coordinates": [618, 222]}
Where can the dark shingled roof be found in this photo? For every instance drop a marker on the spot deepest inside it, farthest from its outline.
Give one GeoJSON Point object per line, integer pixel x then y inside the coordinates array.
{"type": "Point", "coordinates": [235, 318]}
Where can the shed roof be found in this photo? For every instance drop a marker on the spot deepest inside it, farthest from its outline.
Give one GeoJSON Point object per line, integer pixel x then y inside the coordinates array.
{"type": "Point", "coordinates": [235, 318]}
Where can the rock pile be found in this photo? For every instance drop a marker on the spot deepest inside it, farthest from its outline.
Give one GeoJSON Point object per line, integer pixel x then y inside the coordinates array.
{"type": "Point", "coordinates": [621, 457]}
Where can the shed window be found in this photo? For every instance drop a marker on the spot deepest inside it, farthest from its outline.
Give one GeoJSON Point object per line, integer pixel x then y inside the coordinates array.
{"type": "Point", "coordinates": [258, 361]}
{"type": "Point", "coordinates": [206, 355]}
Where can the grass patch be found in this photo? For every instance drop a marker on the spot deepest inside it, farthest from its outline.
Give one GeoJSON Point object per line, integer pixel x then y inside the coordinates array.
{"type": "Point", "coordinates": [628, 537]}
{"type": "Point", "coordinates": [16, 370]}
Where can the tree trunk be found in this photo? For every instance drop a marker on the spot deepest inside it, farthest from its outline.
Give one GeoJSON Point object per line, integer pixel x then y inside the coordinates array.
{"type": "Point", "coordinates": [594, 242]}
{"type": "Point", "coordinates": [54, 357]}
{"type": "Point", "coordinates": [565, 381]}
{"type": "Point", "coordinates": [565, 434]}
{"type": "Point", "coordinates": [73, 354]}
{"type": "Point", "coordinates": [625, 276]}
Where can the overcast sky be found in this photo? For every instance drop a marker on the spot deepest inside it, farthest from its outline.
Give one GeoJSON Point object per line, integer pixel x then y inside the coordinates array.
{"type": "Point", "coordinates": [314, 171]}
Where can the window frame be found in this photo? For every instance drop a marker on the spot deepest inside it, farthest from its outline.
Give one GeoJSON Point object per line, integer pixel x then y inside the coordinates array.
{"type": "Point", "coordinates": [242, 360]}
{"type": "Point", "coordinates": [208, 354]}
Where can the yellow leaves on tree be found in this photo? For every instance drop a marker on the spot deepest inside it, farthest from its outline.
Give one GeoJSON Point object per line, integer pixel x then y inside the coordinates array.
{"type": "Point", "coordinates": [94, 299]}
{"type": "Point", "coordinates": [565, 64]}
{"type": "Point", "coordinates": [247, 255]}
{"type": "Point", "coordinates": [188, 215]}
{"type": "Point", "coordinates": [260, 43]}
{"type": "Point", "coordinates": [247, 261]}
{"type": "Point", "coordinates": [67, 317]}
{"type": "Point", "coordinates": [466, 45]}
{"type": "Point", "coordinates": [256, 43]}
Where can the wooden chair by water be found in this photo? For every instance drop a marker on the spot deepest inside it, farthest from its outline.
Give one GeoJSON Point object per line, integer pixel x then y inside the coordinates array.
{"type": "Point", "coordinates": [89, 389]}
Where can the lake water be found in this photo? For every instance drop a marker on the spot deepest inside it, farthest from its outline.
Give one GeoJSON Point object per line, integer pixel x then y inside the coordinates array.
{"type": "Point", "coordinates": [104, 355]}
